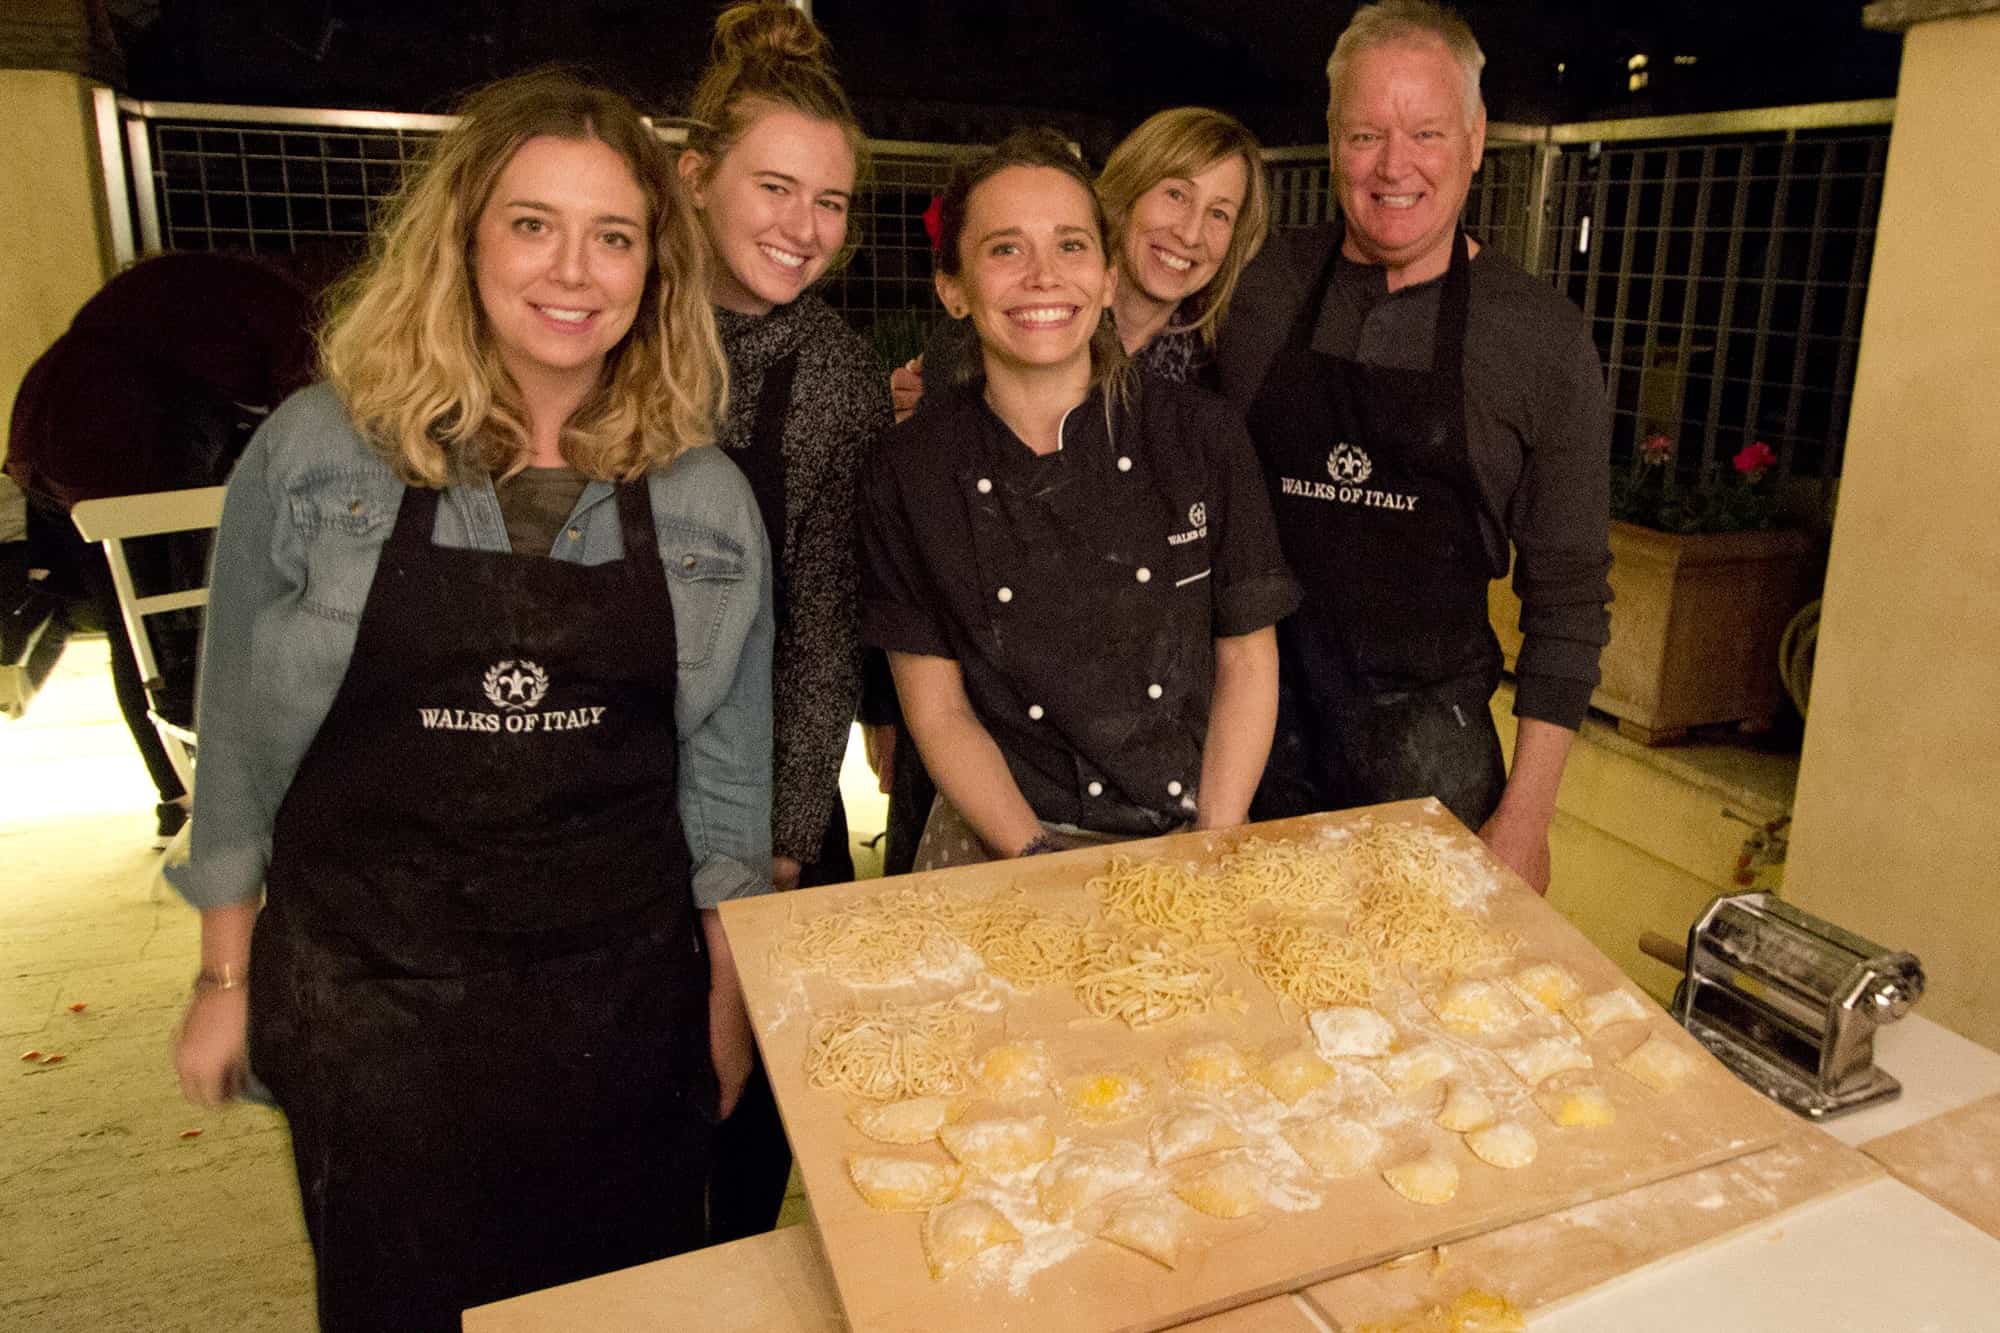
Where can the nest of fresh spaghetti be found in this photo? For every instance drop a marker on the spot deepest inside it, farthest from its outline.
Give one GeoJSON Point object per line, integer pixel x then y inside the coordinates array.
{"type": "Point", "coordinates": [1320, 923]}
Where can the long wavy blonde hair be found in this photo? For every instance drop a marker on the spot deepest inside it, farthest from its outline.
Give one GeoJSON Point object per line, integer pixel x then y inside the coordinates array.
{"type": "Point", "coordinates": [407, 346]}
{"type": "Point", "coordinates": [1183, 141]}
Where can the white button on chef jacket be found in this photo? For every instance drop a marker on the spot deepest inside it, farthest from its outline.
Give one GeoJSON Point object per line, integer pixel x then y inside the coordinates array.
{"type": "Point", "coordinates": [1095, 789]}
{"type": "Point", "coordinates": [1144, 575]}
{"type": "Point", "coordinates": [985, 485]}
{"type": "Point", "coordinates": [1034, 712]}
{"type": "Point", "coordinates": [1154, 691]}
{"type": "Point", "coordinates": [1005, 594]}
{"type": "Point", "coordinates": [1173, 789]}
{"type": "Point", "coordinates": [1124, 463]}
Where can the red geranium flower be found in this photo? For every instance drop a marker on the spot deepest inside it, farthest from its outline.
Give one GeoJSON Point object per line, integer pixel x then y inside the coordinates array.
{"type": "Point", "coordinates": [1755, 458]}
{"type": "Point", "coordinates": [1655, 449]}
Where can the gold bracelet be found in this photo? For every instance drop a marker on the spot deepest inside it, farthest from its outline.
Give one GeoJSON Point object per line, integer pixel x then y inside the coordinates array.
{"type": "Point", "coordinates": [221, 977]}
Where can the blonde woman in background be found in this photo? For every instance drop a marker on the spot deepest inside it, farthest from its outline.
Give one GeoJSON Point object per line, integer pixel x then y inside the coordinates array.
{"type": "Point", "coordinates": [771, 163]}
{"type": "Point", "coordinates": [485, 721]}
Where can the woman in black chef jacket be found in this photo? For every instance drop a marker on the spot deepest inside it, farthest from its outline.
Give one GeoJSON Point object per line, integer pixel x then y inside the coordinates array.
{"type": "Point", "coordinates": [1072, 568]}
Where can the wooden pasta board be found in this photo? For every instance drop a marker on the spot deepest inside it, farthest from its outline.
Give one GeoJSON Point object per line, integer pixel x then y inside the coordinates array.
{"type": "Point", "coordinates": [1954, 1159]}
{"type": "Point", "coordinates": [776, 1282]}
{"type": "Point", "coordinates": [877, 1258]}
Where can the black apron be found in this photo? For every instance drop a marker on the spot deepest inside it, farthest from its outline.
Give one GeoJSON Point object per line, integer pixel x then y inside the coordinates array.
{"type": "Point", "coordinates": [1386, 670]}
{"type": "Point", "coordinates": [762, 462]}
{"type": "Point", "coordinates": [478, 986]}
{"type": "Point", "coordinates": [1087, 618]}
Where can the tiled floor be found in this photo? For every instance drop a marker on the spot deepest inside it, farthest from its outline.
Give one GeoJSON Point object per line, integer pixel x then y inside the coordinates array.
{"type": "Point", "coordinates": [111, 1216]}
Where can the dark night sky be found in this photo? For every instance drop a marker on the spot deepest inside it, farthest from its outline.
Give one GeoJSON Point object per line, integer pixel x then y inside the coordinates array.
{"type": "Point", "coordinates": [956, 71]}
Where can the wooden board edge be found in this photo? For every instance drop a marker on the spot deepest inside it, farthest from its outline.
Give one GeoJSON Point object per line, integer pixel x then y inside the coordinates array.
{"type": "Point", "coordinates": [1448, 1276]}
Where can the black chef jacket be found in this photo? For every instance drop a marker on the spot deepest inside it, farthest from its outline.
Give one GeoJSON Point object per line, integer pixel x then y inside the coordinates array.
{"type": "Point", "coordinates": [1080, 591]}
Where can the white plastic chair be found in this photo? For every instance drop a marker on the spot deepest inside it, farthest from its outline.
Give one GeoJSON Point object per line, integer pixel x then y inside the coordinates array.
{"type": "Point", "coordinates": [117, 519]}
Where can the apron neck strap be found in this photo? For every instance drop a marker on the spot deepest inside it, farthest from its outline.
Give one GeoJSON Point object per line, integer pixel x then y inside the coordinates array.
{"type": "Point", "coordinates": [416, 518]}
{"type": "Point", "coordinates": [635, 522]}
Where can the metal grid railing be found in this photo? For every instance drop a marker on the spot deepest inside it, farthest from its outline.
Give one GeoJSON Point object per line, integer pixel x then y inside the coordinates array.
{"type": "Point", "coordinates": [1724, 281]}
{"type": "Point", "coordinates": [269, 189]}
{"type": "Point", "coordinates": [1722, 260]}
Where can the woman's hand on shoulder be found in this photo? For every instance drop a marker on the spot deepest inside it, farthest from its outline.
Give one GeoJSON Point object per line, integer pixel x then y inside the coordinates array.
{"type": "Point", "coordinates": [906, 387]}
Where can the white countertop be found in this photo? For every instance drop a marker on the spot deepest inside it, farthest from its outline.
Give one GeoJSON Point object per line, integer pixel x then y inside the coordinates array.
{"type": "Point", "coordinates": [1940, 1071]}
{"type": "Point", "coordinates": [1878, 1259]}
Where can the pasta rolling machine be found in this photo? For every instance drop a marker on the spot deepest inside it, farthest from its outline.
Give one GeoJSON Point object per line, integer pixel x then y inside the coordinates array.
{"type": "Point", "coordinates": [1791, 1003]}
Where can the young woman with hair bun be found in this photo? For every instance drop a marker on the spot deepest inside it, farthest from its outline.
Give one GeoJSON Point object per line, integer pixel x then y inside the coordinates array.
{"type": "Point", "coordinates": [772, 156]}
{"type": "Point", "coordinates": [1072, 568]}
{"type": "Point", "coordinates": [485, 730]}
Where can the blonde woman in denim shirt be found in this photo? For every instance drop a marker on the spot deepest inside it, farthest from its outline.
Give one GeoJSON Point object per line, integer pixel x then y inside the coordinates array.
{"type": "Point", "coordinates": [485, 721]}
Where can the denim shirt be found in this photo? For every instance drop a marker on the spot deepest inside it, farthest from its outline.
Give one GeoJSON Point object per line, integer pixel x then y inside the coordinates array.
{"type": "Point", "coordinates": [308, 510]}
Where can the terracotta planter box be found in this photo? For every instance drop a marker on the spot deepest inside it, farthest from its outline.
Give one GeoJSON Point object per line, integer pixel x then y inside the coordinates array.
{"type": "Point", "coordinates": [1695, 623]}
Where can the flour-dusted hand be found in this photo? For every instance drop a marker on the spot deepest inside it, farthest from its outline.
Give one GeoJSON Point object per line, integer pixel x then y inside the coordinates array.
{"type": "Point", "coordinates": [1522, 844]}
{"type": "Point", "coordinates": [211, 1048]}
{"type": "Point", "coordinates": [731, 1045]}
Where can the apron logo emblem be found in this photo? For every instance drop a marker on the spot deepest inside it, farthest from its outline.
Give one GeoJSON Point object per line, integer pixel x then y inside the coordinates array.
{"type": "Point", "coordinates": [1197, 527]}
{"type": "Point", "coordinates": [515, 686]}
{"type": "Point", "coordinates": [1349, 464]}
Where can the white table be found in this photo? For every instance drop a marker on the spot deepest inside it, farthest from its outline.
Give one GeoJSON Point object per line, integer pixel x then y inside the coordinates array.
{"type": "Point", "coordinates": [1877, 1259]}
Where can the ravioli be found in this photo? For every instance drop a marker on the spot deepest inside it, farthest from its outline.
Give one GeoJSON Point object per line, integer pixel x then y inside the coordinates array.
{"type": "Point", "coordinates": [915, 1120]}
{"type": "Point", "coordinates": [1105, 1098]}
{"type": "Point", "coordinates": [999, 1147]}
{"type": "Point", "coordinates": [1475, 1008]}
{"type": "Point", "coordinates": [959, 1231]}
{"type": "Point", "coordinates": [1013, 1070]}
{"type": "Point", "coordinates": [1466, 1108]}
{"type": "Point", "coordinates": [1508, 1145]}
{"type": "Point", "coordinates": [1189, 1132]}
{"type": "Point", "coordinates": [1074, 1180]}
{"type": "Point", "coordinates": [1294, 1074]}
{"type": "Point", "coordinates": [1229, 1188]}
{"type": "Point", "coordinates": [1351, 1030]}
{"type": "Point", "coordinates": [1582, 1107]}
{"type": "Point", "coordinates": [1427, 1180]}
{"type": "Point", "coordinates": [1417, 1068]}
{"type": "Point", "coordinates": [1544, 1058]}
{"type": "Point", "coordinates": [1334, 1147]}
{"type": "Point", "coordinates": [1213, 1066]}
{"type": "Point", "coordinates": [1549, 987]}
{"type": "Point", "coordinates": [1594, 1013]}
{"type": "Point", "coordinates": [1152, 1226]}
{"type": "Point", "coordinates": [1659, 1064]}
{"type": "Point", "coordinates": [902, 1185]}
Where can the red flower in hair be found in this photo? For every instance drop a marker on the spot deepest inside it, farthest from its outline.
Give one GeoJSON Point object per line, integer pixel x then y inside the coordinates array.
{"type": "Point", "coordinates": [1755, 459]}
{"type": "Point", "coordinates": [934, 222]}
